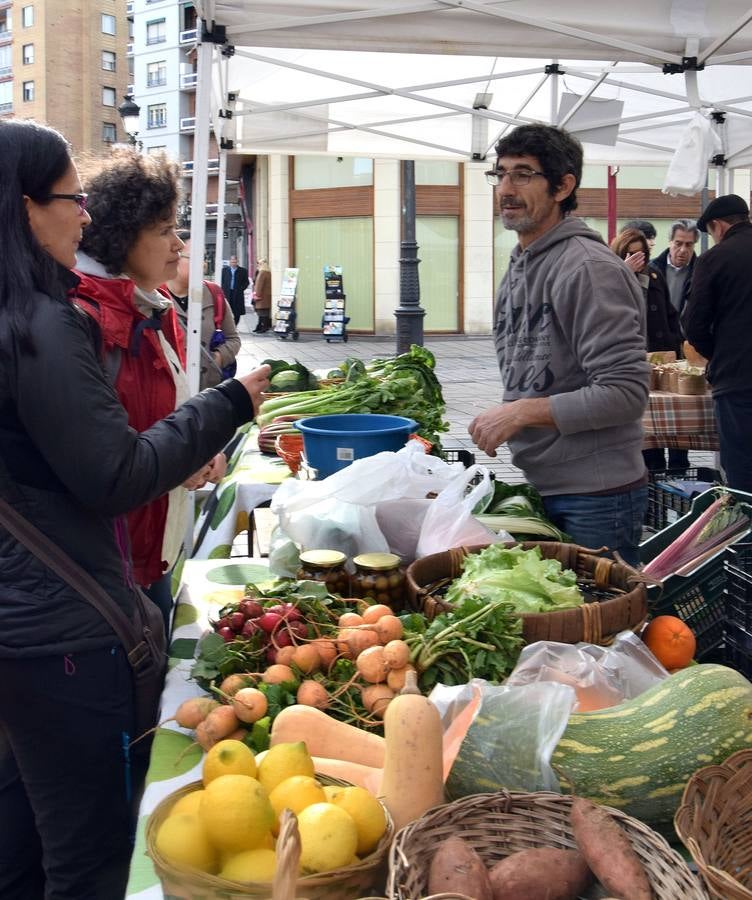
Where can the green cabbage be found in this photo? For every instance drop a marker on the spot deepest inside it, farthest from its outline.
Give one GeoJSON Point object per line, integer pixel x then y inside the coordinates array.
{"type": "Point", "coordinates": [522, 577]}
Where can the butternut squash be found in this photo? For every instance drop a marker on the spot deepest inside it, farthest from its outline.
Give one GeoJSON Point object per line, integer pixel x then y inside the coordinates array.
{"type": "Point", "coordinates": [326, 737]}
{"type": "Point", "coordinates": [366, 777]}
{"type": "Point", "coordinates": [412, 781]}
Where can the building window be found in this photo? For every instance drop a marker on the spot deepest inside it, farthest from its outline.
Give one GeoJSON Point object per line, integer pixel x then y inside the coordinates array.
{"type": "Point", "coordinates": [156, 149]}
{"type": "Point", "coordinates": [109, 61]}
{"type": "Point", "coordinates": [156, 73]}
{"type": "Point", "coordinates": [6, 97]}
{"type": "Point", "coordinates": [108, 96]}
{"type": "Point", "coordinates": [330, 172]}
{"type": "Point", "coordinates": [108, 24]}
{"type": "Point", "coordinates": [28, 54]}
{"type": "Point", "coordinates": [6, 21]}
{"type": "Point", "coordinates": [157, 115]}
{"type": "Point", "coordinates": [109, 132]}
{"type": "Point", "coordinates": [27, 16]}
{"type": "Point", "coordinates": [6, 60]}
{"type": "Point", "coordinates": [28, 91]}
{"type": "Point", "coordinates": [156, 32]}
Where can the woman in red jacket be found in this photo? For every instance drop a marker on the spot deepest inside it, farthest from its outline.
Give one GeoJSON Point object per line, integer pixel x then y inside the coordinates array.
{"type": "Point", "coordinates": [131, 249]}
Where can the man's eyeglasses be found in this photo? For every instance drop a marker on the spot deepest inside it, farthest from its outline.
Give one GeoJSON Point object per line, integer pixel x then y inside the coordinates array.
{"type": "Point", "coordinates": [79, 198]}
{"type": "Point", "coordinates": [518, 177]}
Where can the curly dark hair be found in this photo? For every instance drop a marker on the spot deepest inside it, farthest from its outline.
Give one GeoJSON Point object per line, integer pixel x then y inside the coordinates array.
{"type": "Point", "coordinates": [129, 193]}
{"type": "Point", "coordinates": [558, 152]}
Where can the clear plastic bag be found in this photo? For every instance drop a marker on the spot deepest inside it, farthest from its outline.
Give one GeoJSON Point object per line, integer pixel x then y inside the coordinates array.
{"type": "Point", "coordinates": [521, 727]}
{"type": "Point", "coordinates": [449, 521]}
{"type": "Point", "coordinates": [600, 676]}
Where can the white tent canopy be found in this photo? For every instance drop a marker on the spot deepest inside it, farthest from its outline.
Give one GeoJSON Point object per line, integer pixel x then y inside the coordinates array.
{"type": "Point", "coordinates": [343, 77]}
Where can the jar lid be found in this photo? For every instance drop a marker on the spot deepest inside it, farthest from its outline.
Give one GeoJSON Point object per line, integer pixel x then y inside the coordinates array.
{"type": "Point", "coordinates": [326, 558]}
{"type": "Point", "coordinates": [377, 561]}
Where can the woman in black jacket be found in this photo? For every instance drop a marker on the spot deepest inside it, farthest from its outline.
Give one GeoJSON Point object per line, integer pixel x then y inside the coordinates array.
{"type": "Point", "coordinates": [663, 328]}
{"type": "Point", "coordinates": [71, 465]}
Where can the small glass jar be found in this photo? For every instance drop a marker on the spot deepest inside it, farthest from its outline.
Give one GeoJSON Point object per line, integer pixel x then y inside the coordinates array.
{"type": "Point", "coordinates": [327, 566]}
{"type": "Point", "coordinates": [380, 577]}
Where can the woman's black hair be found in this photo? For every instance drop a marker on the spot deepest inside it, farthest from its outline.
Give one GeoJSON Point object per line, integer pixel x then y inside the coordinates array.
{"type": "Point", "coordinates": [130, 192]}
{"type": "Point", "coordinates": [32, 158]}
{"type": "Point", "coordinates": [558, 152]}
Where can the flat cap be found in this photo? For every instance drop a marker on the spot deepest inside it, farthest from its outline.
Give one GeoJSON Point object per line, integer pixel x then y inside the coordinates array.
{"type": "Point", "coordinates": [728, 205]}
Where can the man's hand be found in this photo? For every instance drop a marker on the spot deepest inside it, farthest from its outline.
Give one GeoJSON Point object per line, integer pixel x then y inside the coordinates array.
{"type": "Point", "coordinates": [218, 467]}
{"type": "Point", "coordinates": [497, 425]}
{"type": "Point", "coordinates": [198, 479]}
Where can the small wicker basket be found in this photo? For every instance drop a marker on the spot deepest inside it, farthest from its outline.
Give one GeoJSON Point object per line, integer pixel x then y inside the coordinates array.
{"type": "Point", "coordinates": [614, 602]}
{"type": "Point", "coordinates": [714, 821]}
{"type": "Point", "coordinates": [500, 824]}
{"type": "Point", "coordinates": [339, 884]}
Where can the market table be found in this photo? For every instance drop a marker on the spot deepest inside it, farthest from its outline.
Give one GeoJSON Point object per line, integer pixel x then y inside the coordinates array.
{"type": "Point", "coordinates": [205, 587]}
{"type": "Point", "coordinates": [685, 421]}
{"type": "Point", "coordinates": [252, 478]}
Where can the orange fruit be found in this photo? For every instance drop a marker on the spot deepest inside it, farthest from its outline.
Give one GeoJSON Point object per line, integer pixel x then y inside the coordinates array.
{"type": "Point", "coordinates": [671, 641]}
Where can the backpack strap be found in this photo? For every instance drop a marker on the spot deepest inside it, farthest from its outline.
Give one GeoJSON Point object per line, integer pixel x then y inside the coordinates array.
{"type": "Point", "coordinates": [219, 303]}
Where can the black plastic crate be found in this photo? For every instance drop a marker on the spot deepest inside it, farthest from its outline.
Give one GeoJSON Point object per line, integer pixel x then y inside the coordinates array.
{"type": "Point", "coordinates": [737, 649]}
{"type": "Point", "coordinates": [459, 454]}
{"type": "Point", "coordinates": [738, 596]}
{"type": "Point", "coordinates": [666, 504]}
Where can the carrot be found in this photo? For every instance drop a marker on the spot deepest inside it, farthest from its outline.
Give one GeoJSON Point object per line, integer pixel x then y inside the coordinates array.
{"type": "Point", "coordinates": [389, 628]}
{"type": "Point", "coordinates": [278, 674]}
{"type": "Point", "coordinates": [371, 665]}
{"type": "Point", "coordinates": [311, 693]}
{"type": "Point", "coordinates": [372, 614]}
{"type": "Point", "coordinates": [397, 654]}
{"type": "Point", "coordinates": [192, 712]}
{"type": "Point", "coordinates": [249, 705]}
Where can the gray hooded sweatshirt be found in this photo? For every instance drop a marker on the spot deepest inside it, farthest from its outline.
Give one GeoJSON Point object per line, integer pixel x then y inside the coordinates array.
{"type": "Point", "coordinates": [569, 324]}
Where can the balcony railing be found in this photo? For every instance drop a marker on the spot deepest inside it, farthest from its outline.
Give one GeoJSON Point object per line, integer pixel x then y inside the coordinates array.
{"type": "Point", "coordinates": [6, 109]}
{"type": "Point", "coordinates": [188, 81]}
{"type": "Point", "coordinates": [188, 123]}
{"type": "Point", "coordinates": [129, 49]}
{"type": "Point", "coordinates": [155, 39]}
{"type": "Point", "coordinates": [131, 89]}
{"type": "Point", "coordinates": [189, 37]}
{"type": "Point", "coordinates": [6, 71]}
{"type": "Point", "coordinates": [156, 81]}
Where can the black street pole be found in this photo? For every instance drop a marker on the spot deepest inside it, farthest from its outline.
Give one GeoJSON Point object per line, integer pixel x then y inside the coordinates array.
{"type": "Point", "coordinates": [409, 313]}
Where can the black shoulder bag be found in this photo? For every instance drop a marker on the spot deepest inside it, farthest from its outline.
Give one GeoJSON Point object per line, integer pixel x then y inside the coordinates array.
{"type": "Point", "coordinates": [142, 637]}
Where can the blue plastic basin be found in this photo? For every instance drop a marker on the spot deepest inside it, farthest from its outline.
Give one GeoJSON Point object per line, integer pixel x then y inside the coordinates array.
{"type": "Point", "coordinates": [333, 442]}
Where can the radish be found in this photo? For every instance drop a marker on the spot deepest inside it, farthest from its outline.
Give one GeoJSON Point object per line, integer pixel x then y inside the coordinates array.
{"type": "Point", "coordinates": [269, 621]}
{"type": "Point", "coordinates": [397, 654]}
{"type": "Point", "coordinates": [233, 683]}
{"type": "Point", "coordinates": [237, 621]}
{"type": "Point", "coordinates": [306, 658]}
{"type": "Point", "coordinates": [220, 722]}
{"type": "Point", "coordinates": [227, 634]}
{"type": "Point", "coordinates": [249, 705]}
{"type": "Point", "coordinates": [348, 619]}
{"type": "Point", "coordinates": [376, 698]}
{"type": "Point", "coordinates": [285, 654]}
{"type": "Point", "coordinates": [389, 628]}
{"type": "Point", "coordinates": [282, 638]}
{"type": "Point", "coordinates": [192, 712]}
{"type": "Point", "coordinates": [327, 651]}
{"type": "Point", "coordinates": [311, 693]}
{"type": "Point", "coordinates": [278, 674]}
{"type": "Point", "coordinates": [373, 613]}
{"type": "Point", "coordinates": [251, 609]}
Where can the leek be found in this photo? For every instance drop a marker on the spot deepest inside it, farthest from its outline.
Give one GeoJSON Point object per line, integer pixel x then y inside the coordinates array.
{"type": "Point", "coordinates": [522, 524]}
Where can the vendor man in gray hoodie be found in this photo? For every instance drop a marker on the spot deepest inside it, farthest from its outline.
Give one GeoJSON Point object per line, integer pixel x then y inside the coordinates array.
{"type": "Point", "coordinates": [569, 326]}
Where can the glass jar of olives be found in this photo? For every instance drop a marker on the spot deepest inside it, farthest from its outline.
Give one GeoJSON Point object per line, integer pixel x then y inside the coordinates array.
{"type": "Point", "coordinates": [380, 577]}
{"type": "Point", "coordinates": [327, 566]}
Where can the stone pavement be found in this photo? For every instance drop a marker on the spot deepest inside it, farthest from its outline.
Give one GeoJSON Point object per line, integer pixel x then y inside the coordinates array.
{"type": "Point", "coordinates": [465, 366]}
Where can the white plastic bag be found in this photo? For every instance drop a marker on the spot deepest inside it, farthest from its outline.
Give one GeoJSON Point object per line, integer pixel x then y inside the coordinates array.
{"type": "Point", "coordinates": [340, 512]}
{"type": "Point", "coordinates": [449, 521]}
{"type": "Point", "coordinates": [688, 170]}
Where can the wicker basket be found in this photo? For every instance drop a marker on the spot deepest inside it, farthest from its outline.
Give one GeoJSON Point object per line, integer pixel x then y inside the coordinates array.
{"type": "Point", "coordinates": [614, 602]}
{"type": "Point", "coordinates": [500, 824]}
{"type": "Point", "coordinates": [691, 385]}
{"type": "Point", "coordinates": [715, 823]}
{"type": "Point", "coordinates": [339, 884]}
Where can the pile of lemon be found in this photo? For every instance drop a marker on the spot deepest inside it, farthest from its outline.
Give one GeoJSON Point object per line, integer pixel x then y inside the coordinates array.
{"type": "Point", "coordinates": [230, 826]}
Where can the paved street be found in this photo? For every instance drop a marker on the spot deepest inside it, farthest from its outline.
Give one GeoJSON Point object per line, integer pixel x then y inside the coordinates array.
{"type": "Point", "coordinates": [466, 367]}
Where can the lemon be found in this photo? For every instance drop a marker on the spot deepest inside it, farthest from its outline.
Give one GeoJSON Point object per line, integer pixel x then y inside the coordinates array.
{"type": "Point", "coordinates": [295, 793]}
{"type": "Point", "coordinates": [183, 841]}
{"type": "Point", "coordinates": [331, 791]}
{"type": "Point", "coordinates": [328, 838]}
{"type": "Point", "coordinates": [236, 812]}
{"type": "Point", "coordinates": [188, 803]}
{"type": "Point", "coordinates": [251, 865]}
{"type": "Point", "coordinates": [228, 757]}
{"type": "Point", "coordinates": [367, 813]}
{"type": "Point", "coordinates": [283, 761]}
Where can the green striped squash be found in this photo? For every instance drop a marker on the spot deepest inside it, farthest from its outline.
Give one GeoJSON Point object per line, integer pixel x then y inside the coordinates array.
{"type": "Point", "coordinates": [636, 756]}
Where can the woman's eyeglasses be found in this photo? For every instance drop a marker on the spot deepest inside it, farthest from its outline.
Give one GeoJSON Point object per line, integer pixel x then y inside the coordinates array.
{"type": "Point", "coordinates": [79, 198]}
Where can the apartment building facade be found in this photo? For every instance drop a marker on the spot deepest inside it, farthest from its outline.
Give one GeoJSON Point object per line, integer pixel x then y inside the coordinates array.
{"type": "Point", "coordinates": [64, 63]}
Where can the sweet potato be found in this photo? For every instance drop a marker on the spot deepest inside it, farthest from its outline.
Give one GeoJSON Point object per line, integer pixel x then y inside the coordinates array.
{"type": "Point", "coordinates": [456, 867]}
{"type": "Point", "coordinates": [543, 873]}
{"type": "Point", "coordinates": [608, 852]}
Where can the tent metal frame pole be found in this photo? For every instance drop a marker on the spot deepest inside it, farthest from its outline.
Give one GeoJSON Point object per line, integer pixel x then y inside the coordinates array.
{"type": "Point", "coordinates": [584, 98]}
{"type": "Point", "coordinates": [716, 45]}
{"type": "Point", "coordinates": [518, 112]}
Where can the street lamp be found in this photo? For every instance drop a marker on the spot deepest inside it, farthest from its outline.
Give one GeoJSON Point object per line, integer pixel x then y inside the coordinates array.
{"type": "Point", "coordinates": [129, 114]}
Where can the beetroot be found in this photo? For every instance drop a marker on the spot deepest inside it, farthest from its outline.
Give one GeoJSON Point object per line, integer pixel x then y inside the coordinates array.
{"type": "Point", "coordinates": [251, 609]}
{"type": "Point", "coordinates": [236, 621]}
{"type": "Point", "coordinates": [227, 634]}
{"type": "Point", "coordinates": [269, 621]}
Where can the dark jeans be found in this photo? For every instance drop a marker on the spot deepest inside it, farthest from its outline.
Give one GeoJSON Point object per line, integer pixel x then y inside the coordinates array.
{"type": "Point", "coordinates": [733, 414]}
{"type": "Point", "coordinates": [64, 776]}
{"type": "Point", "coordinates": [610, 520]}
{"type": "Point", "coordinates": [655, 458]}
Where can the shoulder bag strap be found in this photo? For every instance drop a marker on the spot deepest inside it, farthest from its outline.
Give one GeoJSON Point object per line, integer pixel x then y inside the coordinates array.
{"type": "Point", "coordinates": [79, 579]}
{"type": "Point", "coordinates": [219, 303]}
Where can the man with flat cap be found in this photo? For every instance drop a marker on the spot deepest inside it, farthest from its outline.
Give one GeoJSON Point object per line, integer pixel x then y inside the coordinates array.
{"type": "Point", "coordinates": [718, 322]}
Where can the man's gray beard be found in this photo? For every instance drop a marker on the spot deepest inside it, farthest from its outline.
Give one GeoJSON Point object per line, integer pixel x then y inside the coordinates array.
{"type": "Point", "coordinates": [521, 226]}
